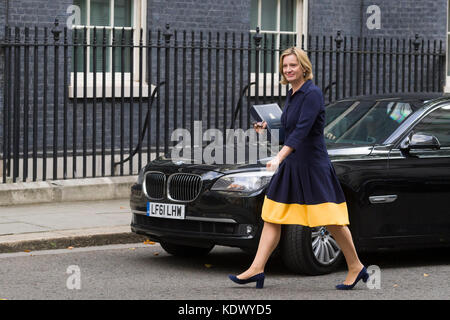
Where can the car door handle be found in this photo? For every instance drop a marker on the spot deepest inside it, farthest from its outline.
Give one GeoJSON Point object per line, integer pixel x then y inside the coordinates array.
{"type": "Point", "coordinates": [383, 199]}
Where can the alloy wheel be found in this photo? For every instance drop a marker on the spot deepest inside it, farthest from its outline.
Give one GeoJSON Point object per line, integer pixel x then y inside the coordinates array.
{"type": "Point", "coordinates": [325, 248]}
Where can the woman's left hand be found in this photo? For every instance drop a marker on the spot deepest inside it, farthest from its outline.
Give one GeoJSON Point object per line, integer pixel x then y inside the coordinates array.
{"type": "Point", "coordinates": [273, 164]}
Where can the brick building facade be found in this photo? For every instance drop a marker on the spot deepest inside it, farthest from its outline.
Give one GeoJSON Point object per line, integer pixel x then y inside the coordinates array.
{"type": "Point", "coordinates": [281, 18]}
{"type": "Point", "coordinates": [401, 18]}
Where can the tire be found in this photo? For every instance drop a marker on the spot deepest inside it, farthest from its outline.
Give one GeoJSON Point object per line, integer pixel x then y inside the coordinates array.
{"type": "Point", "coordinates": [297, 250]}
{"type": "Point", "coordinates": [185, 251]}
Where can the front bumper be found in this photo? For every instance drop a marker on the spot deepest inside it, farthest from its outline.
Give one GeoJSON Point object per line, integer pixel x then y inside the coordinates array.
{"type": "Point", "coordinates": [212, 219]}
{"type": "Point", "coordinates": [196, 232]}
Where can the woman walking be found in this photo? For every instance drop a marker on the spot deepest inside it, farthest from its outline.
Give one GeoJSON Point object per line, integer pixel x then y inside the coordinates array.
{"type": "Point", "coordinates": [304, 189]}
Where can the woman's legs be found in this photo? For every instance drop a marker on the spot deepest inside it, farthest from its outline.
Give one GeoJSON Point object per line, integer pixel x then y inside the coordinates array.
{"type": "Point", "coordinates": [270, 237]}
{"type": "Point", "coordinates": [344, 239]}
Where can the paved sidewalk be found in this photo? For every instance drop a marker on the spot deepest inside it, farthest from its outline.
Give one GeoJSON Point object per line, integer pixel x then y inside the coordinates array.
{"type": "Point", "coordinates": [63, 224]}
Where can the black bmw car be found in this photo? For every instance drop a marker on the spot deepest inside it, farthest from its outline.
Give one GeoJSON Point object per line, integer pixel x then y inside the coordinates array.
{"type": "Point", "coordinates": [391, 154]}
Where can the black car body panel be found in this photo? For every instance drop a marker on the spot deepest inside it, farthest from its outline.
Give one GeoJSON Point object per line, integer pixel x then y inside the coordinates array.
{"type": "Point", "coordinates": [396, 198]}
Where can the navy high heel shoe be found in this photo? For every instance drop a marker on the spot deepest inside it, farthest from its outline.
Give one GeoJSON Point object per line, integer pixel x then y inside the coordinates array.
{"type": "Point", "coordinates": [362, 275]}
{"type": "Point", "coordinates": [258, 278]}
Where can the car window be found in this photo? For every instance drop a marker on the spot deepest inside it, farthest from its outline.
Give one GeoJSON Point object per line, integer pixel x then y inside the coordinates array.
{"type": "Point", "coordinates": [371, 122]}
{"type": "Point", "coordinates": [336, 109]}
{"type": "Point", "coordinates": [437, 123]}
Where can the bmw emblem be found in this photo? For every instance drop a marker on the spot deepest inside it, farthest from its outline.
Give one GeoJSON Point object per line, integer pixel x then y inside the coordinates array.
{"type": "Point", "coordinates": [180, 169]}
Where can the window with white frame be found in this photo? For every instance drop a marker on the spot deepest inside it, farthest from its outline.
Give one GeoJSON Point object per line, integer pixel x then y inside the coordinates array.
{"type": "Point", "coordinates": [282, 23]}
{"type": "Point", "coordinates": [123, 18]}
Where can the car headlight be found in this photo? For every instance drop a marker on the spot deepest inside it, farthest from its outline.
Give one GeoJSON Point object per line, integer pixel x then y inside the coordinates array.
{"type": "Point", "coordinates": [245, 182]}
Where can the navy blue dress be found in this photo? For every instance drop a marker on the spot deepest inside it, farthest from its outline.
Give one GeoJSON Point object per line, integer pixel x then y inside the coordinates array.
{"type": "Point", "coordinates": [305, 190]}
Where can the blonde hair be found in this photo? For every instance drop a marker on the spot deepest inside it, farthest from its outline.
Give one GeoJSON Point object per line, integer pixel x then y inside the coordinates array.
{"type": "Point", "coordinates": [302, 59]}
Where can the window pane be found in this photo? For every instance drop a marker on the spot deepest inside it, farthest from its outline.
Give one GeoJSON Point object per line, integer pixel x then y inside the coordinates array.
{"type": "Point", "coordinates": [254, 15]}
{"type": "Point", "coordinates": [78, 50]}
{"type": "Point", "coordinates": [269, 55]}
{"type": "Point", "coordinates": [83, 7]}
{"type": "Point", "coordinates": [287, 41]}
{"type": "Point", "coordinates": [100, 13]}
{"type": "Point", "coordinates": [125, 51]}
{"type": "Point", "coordinates": [99, 53]}
{"type": "Point", "coordinates": [123, 13]}
{"type": "Point", "coordinates": [287, 15]}
{"type": "Point", "coordinates": [268, 15]}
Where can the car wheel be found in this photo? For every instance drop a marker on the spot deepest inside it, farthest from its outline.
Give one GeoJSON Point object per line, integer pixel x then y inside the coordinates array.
{"type": "Point", "coordinates": [185, 251]}
{"type": "Point", "coordinates": [310, 251]}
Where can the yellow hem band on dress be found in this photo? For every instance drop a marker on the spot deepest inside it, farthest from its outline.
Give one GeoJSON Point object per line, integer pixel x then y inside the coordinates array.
{"type": "Point", "coordinates": [311, 215]}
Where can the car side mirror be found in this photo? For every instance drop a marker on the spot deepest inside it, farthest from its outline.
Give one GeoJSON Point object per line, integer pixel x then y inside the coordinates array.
{"type": "Point", "coordinates": [420, 140]}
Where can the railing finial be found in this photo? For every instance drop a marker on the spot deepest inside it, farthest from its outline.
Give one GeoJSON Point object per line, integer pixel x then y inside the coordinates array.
{"type": "Point", "coordinates": [338, 39]}
{"type": "Point", "coordinates": [55, 30]}
{"type": "Point", "coordinates": [167, 34]}
{"type": "Point", "coordinates": [416, 42]}
{"type": "Point", "coordinates": [257, 37]}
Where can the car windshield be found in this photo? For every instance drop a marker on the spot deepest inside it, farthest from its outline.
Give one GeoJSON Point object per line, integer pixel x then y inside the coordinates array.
{"type": "Point", "coordinates": [336, 109]}
{"type": "Point", "coordinates": [365, 122]}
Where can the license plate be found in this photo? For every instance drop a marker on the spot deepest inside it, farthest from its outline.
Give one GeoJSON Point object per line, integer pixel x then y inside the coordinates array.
{"type": "Point", "coordinates": [165, 210]}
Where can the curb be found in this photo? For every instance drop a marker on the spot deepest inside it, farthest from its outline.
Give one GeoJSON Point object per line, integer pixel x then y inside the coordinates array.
{"type": "Point", "coordinates": [85, 189]}
{"type": "Point", "coordinates": [69, 239]}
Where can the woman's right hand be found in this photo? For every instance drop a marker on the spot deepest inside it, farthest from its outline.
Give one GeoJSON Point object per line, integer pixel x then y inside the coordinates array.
{"type": "Point", "coordinates": [259, 126]}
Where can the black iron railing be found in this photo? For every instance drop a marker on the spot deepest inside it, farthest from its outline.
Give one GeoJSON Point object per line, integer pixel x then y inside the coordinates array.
{"type": "Point", "coordinates": [96, 102]}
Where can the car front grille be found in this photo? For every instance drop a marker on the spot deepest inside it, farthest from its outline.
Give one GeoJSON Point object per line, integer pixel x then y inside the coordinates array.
{"type": "Point", "coordinates": [187, 225]}
{"type": "Point", "coordinates": [154, 185]}
{"type": "Point", "coordinates": [184, 187]}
